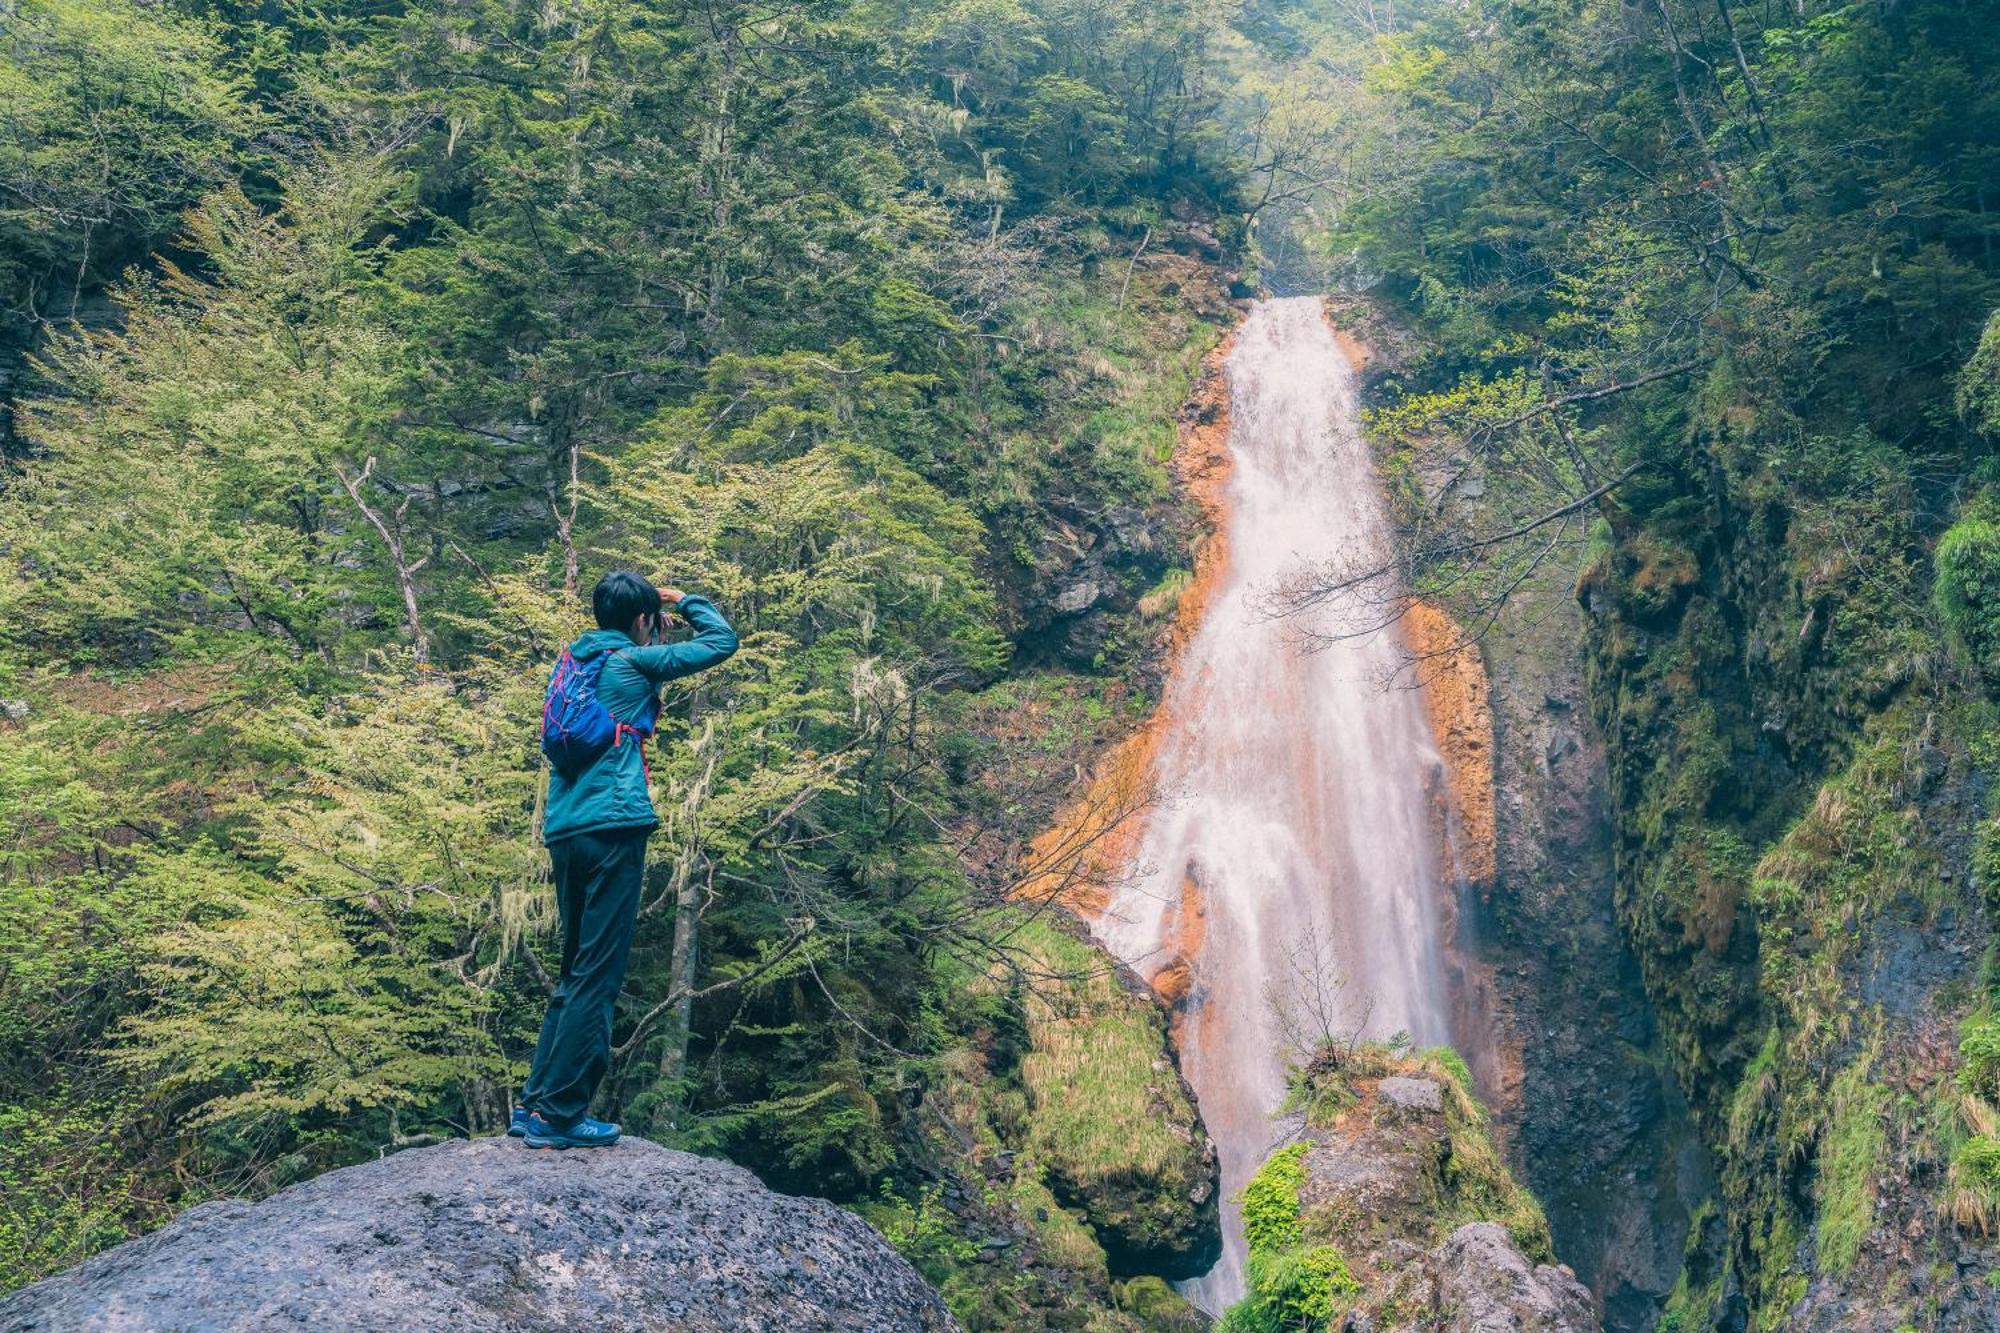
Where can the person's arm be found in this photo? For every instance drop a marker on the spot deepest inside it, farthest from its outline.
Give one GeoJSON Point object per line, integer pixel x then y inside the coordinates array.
{"type": "Point", "coordinates": [713, 642]}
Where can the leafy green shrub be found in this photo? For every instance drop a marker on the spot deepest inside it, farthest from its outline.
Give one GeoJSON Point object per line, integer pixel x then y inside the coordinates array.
{"type": "Point", "coordinates": [1296, 1288]}
{"type": "Point", "coordinates": [1979, 383]}
{"type": "Point", "coordinates": [1979, 1055]}
{"type": "Point", "coordinates": [1271, 1200]}
{"type": "Point", "coordinates": [923, 1231]}
{"type": "Point", "coordinates": [1292, 1285]}
{"type": "Point", "coordinates": [1972, 1196]}
{"type": "Point", "coordinates": [1967, 591]}
{"type": "Point", "coordinates": [1978, 1162]}
{"type": "Point", "coordinates": [1300, 1285]}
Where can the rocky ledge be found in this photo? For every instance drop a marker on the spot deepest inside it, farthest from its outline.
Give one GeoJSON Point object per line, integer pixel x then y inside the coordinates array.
{"type": "Point", "coordinates": [1401, 1175]}
{"type": "Point", "coordinates": [485, 1235]}
{"type": "Point", "coordinates": [1393, 1210]}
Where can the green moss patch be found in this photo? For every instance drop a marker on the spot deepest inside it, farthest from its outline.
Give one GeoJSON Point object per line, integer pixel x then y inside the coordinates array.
{"type": "Point", "coordinates": [1850, 1156]}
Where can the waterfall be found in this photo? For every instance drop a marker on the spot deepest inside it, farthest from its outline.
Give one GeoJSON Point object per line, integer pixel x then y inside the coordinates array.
{"type": "Point", "coordinates": [1294, 841]}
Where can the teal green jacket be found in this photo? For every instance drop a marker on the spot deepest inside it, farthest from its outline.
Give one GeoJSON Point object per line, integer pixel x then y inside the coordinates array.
{"type": "Point", "coordinates": [611, 793]}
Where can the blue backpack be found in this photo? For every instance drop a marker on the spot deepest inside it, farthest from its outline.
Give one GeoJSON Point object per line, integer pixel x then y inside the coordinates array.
{"type": "Point", "coordinates": [577, 729]}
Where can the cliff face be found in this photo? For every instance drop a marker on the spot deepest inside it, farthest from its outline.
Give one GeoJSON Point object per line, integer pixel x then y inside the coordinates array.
{"type": "Point", "coordinates": [485, 1236]}
{"type": "Point", "coordinates": [1597, 1123]}
{"type": "Point", "coordinates": [1801, 789]}
{"type": "Point", "coordinates": [1564, 1048]}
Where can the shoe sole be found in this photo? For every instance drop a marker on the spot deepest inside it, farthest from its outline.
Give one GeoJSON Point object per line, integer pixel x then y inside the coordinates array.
{"type": "Point", "coordinates": [563, 1145]}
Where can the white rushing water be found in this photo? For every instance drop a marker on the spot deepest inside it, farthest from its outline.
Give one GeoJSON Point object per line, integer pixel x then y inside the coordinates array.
{"type": "Point", "coordinates": [1293, 785]}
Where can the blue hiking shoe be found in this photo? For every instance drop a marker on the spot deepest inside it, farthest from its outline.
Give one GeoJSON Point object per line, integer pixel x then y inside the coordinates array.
{"type": "Point", "coordinates": [517, 1124]}
{"type": "Point", "coordinates": [585, 1133]}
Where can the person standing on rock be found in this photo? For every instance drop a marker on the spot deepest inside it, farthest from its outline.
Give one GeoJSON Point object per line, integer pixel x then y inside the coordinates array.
{"type": "Point", "coordinates": [603, 704]}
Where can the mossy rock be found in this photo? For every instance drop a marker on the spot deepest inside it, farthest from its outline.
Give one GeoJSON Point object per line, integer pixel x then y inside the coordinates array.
{"type": "Point", "coordinates": [1157, 1307]}
{"type": "Point", "coordinates": [1657, 577]}
{"type": "Point", "coordinates": [1967, 592]}
{"type": "Point", "coordinates": [1397, 1178]}
{"type": "Point", "coordinates": [1110, 1120]}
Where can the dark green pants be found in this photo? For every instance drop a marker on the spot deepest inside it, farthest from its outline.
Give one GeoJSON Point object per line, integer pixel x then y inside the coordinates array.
{"type": "Point", "coordinates": [598, 876]}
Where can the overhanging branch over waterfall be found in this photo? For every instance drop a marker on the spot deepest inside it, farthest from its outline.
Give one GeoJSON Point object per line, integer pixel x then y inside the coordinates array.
{"type": "Point", "coordinates": [1491, 480]}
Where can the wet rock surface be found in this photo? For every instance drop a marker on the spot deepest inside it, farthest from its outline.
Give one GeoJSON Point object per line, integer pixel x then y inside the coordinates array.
{"type": "Point", "coordinates": [485, 1236]}
{"type": "Point", "coordinates": [1555, 1020]}
{"type": "Point", "coordinates": [1600, 1134]}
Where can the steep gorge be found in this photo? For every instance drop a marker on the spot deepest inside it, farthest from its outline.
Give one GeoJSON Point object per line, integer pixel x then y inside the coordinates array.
{"type": "Point", "coordinates": [343, 346]}
{"type": "Point", "coordinates": [1501, 856]}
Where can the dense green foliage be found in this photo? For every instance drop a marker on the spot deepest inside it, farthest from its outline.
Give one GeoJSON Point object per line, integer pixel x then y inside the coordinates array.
{"type": "Point", "coordinates": [396, 325]}
{"type": "Point", "coordinates": [1968, 589]}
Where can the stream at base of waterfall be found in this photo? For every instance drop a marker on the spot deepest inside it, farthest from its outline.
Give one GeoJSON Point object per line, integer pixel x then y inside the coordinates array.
{"type": "Point", "coordinates": [1291, 851]}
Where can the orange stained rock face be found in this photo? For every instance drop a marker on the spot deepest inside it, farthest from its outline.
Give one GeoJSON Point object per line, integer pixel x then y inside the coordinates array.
{"type": "Point", "coordinates": [1353, 348]}
{"type": "Point", "coordinates": [1456, 699]}
{"type": "Point", "coordinates": [1187, 929]}
{"type": "Point", "coordinates": [1096, 838]}
{"type": "Point", "coordinates": [1457, 702]}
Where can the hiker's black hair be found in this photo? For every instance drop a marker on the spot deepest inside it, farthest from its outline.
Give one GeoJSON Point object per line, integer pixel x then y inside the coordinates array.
{"type": "Point", "coordinates": [621, 597]}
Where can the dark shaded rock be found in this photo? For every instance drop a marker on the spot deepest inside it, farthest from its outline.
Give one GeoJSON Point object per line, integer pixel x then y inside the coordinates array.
{"type": "Point", "coordinates": [485, 1235]}
{"type": "Point", "coordinates": [1079, 596]}
{"type": "Point", "coordinates": [1591, 1120]}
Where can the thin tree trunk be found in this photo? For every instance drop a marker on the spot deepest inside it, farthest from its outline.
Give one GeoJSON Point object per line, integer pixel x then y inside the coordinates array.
{"type": "Point", "coordinates": [717, 156]}
{"type": "Point", "coordinates": [392, 538]}
{"type": "Point", "coordinates": [562, 509]}
{"type": "Point", "coordinates": [687, 914]}
{"type": "Point", "coordinates": [1124, 286]}
{"type": "Point", "coordinates": [673, 1062]}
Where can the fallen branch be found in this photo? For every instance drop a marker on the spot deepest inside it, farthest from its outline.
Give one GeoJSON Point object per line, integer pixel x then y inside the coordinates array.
{"type": "Point", "coordinates": [1125, 285]}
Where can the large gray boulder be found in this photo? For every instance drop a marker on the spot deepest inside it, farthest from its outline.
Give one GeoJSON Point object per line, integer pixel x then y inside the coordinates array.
{"type": "Point", "coordinates": [483, 1236]}
{"type": "Point", "coordinates": [1486, 1286]}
